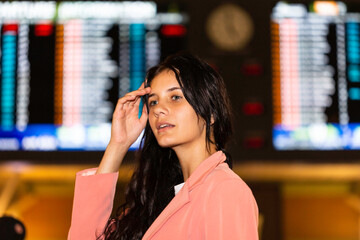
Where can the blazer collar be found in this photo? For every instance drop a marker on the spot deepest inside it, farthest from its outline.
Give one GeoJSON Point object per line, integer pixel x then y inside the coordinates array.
{"type": "Point", "coordinates": [182, 198]}
{"type": "Point", "coordinates": [206, 167]}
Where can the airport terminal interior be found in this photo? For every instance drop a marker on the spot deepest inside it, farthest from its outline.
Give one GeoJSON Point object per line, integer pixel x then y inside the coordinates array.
{"type": "Point", "coordinates": [292, 71]}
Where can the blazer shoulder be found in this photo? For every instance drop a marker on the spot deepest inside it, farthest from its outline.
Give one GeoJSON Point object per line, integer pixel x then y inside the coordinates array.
{"type": "Point", "coordinates": [223, 173]}
{"type": "Point", "coordinates": [227, 185]}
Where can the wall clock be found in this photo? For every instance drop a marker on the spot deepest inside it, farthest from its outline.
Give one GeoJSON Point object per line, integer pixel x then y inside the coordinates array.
{"type": "Point", "coordinates": [229, 27]}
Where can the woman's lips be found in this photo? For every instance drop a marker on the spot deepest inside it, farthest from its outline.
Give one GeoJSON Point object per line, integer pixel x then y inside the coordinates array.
{"type": "Point", "coordinates": [165, 129]}
{"type": "Point", "coordinates": [164, 126]}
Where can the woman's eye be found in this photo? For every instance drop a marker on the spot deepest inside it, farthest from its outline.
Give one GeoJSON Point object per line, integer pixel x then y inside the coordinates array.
{"type": "Point", "coordinates": [175, 97]}
{"type": "Point", "coordinates": [152, 103]}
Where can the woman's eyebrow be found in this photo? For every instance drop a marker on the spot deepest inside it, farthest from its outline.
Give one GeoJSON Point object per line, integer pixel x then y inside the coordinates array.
{"type": "Point", "coordinates": [173, 88]}
{"type": "Point", "coordinates": [169, 90]}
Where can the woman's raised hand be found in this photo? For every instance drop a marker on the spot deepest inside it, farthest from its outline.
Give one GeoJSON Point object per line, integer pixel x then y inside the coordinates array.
{"type": "Point", "coordinates": [126, 124]}
{"type": "Point", "coordinates": [125, 129]}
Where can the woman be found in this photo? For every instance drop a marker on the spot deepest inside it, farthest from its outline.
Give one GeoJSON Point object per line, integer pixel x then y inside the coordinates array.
{"type": "Point", "coordinates": [187, 124]}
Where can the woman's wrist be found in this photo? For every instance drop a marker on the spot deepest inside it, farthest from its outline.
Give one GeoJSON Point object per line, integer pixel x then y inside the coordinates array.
{"type": "Point", "coordinates": [113, 157]}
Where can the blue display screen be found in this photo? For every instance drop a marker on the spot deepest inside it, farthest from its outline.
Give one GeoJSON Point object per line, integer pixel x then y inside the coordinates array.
{"type": "Point", "coordinates": [64, 65]}
{"type": "Point", "coordinates": [48, 137]}
{"type": "Point", "coordinates": [316, 76]}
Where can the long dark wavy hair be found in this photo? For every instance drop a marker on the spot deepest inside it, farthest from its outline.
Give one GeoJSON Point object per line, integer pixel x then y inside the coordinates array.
{"type": "Point", "coordinates": [151, 187]}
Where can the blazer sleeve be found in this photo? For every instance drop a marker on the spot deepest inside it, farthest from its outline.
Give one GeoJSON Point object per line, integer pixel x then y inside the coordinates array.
{"type": "Point", "coordinates": [231, 212]}
{"type": "Point", "coordinates": [92, 205]}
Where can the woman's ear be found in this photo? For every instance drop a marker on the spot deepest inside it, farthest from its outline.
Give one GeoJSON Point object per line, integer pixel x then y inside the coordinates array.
{"type": "Point", "coordinates": [212, 120]}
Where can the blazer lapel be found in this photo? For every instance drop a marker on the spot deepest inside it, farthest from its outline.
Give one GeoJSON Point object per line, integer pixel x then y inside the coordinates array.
{"type": "Point", "coordinates": [182, 198]}
{"type": "Point", "coordinates": [206, 167]}
{"type": "Point", "coordinates": [176, 203]}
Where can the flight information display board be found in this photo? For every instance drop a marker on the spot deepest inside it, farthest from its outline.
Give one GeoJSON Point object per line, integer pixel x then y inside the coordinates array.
{"type": "Point", "coordinates": [316, 76]}
{"type": "Point", "coordinates": [65, 64]}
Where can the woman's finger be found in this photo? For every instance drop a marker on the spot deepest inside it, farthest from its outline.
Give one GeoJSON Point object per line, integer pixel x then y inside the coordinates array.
{"type": "Point", "coordinates": [141, 86]}
{"type": "Point", "coordinates": [126, 98]}
{"type": "Point", "coordinates": [136, 93]}
{"type": "Point", "coordinates": [144, 115]}
{"type": "Point", "coordinates": [126, 105]}
{"type": "Point", "coordinates": [140, 92]}
{"type": "Point", "coordinates": [132, 98]}
{"type": "Point", "coordinates": [135, 101]}
{"type": "Point", "coordinates": [122, 101]}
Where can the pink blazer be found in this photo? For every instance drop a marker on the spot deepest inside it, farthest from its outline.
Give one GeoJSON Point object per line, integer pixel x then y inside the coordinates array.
{"type": "Point", "coordinates": [214, 203]}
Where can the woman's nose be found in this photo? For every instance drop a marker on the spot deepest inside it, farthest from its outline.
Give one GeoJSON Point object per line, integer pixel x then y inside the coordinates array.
{"type": "Point", "coordinates": [160, 109]}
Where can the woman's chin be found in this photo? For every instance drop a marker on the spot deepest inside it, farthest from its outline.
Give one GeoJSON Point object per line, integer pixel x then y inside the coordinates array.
{"type": "Point", "coordinates": [165, 143]}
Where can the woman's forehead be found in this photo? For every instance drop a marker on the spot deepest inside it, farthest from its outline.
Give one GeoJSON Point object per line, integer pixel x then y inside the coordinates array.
{"type": "Point", "coordinates": [164, 79]}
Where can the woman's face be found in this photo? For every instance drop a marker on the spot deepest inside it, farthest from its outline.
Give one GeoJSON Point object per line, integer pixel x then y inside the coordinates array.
{"type": "Point", "coordinates": [171, 117]}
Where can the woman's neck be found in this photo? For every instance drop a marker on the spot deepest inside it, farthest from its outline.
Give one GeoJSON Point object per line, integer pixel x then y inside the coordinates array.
{"type": "Point", "coordinates": [191, 157]}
